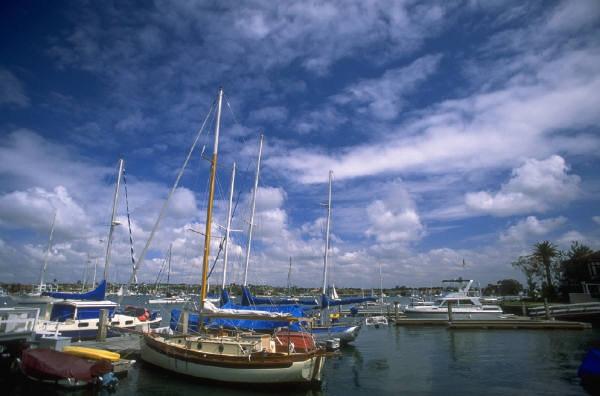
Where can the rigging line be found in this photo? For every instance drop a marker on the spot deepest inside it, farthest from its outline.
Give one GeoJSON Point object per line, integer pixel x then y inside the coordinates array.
{"type": "Point", "coordinates": [216, 257]}
{"type": "Point", "coordinates": [231, 110]}
{"type": "Point", "coordinates": [129, 223]}
{"type": "Point", "coordinates": [165, 205]}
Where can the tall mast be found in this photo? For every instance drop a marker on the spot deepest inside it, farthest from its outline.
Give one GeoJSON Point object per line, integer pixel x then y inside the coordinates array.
{"type": "Point", "coordinates": [85, 272]}
{"type": "Point", "coordinates": [95, 268]}
{"type": "Point", "coordinates": [112, 219]}
{"type": "Point", "coordinates": [253, 207]}
{"type": "Point", "coordinates": [45, 265]}
{"type": "Point", "coordinates": [380, 285]}
{"type": "Point", "coordinates": [211, 196]}
{"type": "Point", "coordinates": [169, 270]}
{"type": "Point", "coordinates": [228, 229]}
{"type": "Point", "coordinates": [290, 278]}
{"type": "Point", "coordinates": [327, 235]}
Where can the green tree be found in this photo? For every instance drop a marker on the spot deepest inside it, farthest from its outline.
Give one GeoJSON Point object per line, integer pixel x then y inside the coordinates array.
{"type": "Point", "coordinates": [577, 251]}
{"type": "Point", "coordinates": [509, 287]}
{"type": "Point", "coordinates": [574, 268]}
{"type": "Point", "coordinates": [529, 267]}
{"type": "Point", "coordinates": [546, 253]}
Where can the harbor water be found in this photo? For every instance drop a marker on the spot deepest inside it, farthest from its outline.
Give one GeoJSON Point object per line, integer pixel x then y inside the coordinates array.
{"type": "Point", "coordinates": [409, 361]}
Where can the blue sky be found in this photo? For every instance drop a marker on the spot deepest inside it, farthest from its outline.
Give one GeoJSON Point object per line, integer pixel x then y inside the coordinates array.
{"type": "Point", "coordinates": [455, 130]}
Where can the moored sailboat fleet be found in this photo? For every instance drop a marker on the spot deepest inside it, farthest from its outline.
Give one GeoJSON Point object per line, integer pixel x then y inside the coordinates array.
{"type": "Point", "coordinates": [262, 340]}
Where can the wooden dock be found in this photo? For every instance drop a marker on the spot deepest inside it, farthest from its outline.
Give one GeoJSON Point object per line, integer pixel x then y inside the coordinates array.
{"type": "Point", "coordinates": [127, 345]}
{"type": "Point", "coordinates": [509, 324]}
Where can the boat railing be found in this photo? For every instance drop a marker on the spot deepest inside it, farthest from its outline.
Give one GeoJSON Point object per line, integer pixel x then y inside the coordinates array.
{"type": "Point", "coordinates": [18, 320]}
{"type": "Point", "coordinates": [565, 308]}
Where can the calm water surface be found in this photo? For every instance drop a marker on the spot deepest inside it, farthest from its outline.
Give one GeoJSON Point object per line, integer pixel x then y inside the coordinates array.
{"type": "Point", "coordinates": [393, 361]}
{"type": "Point", "coordinates": [414, 361]}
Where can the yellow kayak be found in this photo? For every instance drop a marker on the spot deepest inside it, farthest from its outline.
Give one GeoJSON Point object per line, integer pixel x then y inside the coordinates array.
{"type": "Point", "coordinates": [92, 353]}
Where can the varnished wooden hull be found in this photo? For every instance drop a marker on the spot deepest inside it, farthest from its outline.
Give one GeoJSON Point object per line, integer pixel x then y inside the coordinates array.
{"type": "Point", "coordinates": [258, 368]}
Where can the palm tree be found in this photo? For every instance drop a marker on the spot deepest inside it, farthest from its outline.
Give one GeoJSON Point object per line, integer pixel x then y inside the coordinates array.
{"type": "Point", "coordinates": [578, 251]}
{"type": "Point", "coordinates": [544, 253]}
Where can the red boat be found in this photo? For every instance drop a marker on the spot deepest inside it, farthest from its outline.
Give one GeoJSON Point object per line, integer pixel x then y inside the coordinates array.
{"type": "Point", "coordinates": [50, 366]}
{"type": "Point", "coordinates": [294, 340]}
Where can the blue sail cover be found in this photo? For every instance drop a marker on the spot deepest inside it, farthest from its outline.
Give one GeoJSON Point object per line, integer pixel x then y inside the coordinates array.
{"type": "Point", "coordinates": [243, 324]}
{"type": "Point", "coordinates": [224, 297]}
{"type": "Point", "coordinates": [590, 366]}
{"type": "Point", "coordinates": [326, 302]}
{"type": "Point", "coordinates": [93, 295]}
{"type": "Point", "coordinates": [249, 300]}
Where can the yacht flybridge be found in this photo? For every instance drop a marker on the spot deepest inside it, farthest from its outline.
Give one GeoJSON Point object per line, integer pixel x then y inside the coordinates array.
{"type": "Point", "coordinates": [465, 305]}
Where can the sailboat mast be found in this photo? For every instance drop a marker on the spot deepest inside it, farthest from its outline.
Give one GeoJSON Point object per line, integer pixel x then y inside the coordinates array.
{"type": "Point", "coordinates": [45, 265]}
{"type": "Point", "coordinates": [253, 207]}
{"type": "Point", "coordinates": [290, 278]}
{"type": "Point", "coordinates": [169, 270]}
{"type": "Point", "coordinates": [327, 235]}
{"type": "Point", "coordinates": [95, 268]}
{"type": "Point", "coordinates": [380, 285]}
{"type": "Point", "coordinates": [211, 195]}
{"type": "Point", "coordinates": [228, 228]}
{"type": "Point", "coordinates": [112, 219]}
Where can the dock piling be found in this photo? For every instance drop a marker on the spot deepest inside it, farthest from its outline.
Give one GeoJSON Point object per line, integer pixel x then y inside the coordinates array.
{"type": "Point", "coordinates": [547, 309]}
{"type": "Point", "coordinates": [396, 303]}
{"type": "Point", "coordinates": [450, 312]}
{"type": "Point", "coordinates": [101, 336]}
{"type": "Point", "coordinates": [523, 308]}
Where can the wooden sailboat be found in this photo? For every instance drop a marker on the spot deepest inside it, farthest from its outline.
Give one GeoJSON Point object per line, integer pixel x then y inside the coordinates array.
{"type": "Point", "coordinates": [232, 357]}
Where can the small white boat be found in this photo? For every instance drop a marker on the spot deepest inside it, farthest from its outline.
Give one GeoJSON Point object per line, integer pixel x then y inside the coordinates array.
{"type": "Point", "coordinates": [80, 319]}
{"type": "Point", "coordinates": [376, 321]}
{"type": "Point", "coordinates": [169, 300]}
{"type": "Point", "coordinates": [465, 305]}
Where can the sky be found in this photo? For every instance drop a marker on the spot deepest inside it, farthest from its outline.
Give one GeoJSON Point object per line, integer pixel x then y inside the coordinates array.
{"type": "Point", "coordinates": [459, 134]}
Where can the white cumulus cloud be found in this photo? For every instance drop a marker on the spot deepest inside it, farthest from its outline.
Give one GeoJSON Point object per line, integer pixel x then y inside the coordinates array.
{"type": "Point", "coordinates": [531, 228]}
{"type": "Point", "coordinates": [534, 187]}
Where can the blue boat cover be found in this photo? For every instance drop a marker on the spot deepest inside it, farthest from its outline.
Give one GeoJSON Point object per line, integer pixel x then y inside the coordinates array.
{"type": "Point", "coordinates": [590, 366]}
{"type": "Point", "coordinates": [326, 302]}
{"type": "Point", "coordinates": [224, 297]}
{"type": "Point", "coordinates": [64, 311]}
{"type": "Point", "coordinates": [249, 300]}
{"type": "Point", "coordinates": [243, 324]}
{"type": "Point", "coordinates": [93, 295]}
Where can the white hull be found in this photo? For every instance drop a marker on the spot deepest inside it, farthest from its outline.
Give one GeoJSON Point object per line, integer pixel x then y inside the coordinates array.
{"type": "Point", "coordinates": [345, 333]}
{"type": "Point", "coordinates": [308, 371]}
{"type": "Point", "coordinates": [376, 321]}
{"type": "Point", "coordinates": [87, 328]}
{"type": "Point", "coordinates": [457, 314]}
{"type": "Point", "coordinates": [168, 301]}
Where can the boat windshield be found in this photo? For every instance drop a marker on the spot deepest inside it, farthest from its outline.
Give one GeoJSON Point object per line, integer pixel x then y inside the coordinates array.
{"type": "Point", "coordinates": [62, 312]}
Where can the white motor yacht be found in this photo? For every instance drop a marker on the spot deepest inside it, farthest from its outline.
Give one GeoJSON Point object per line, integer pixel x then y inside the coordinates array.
{"type": "Point", "coordinates": [465, 305]}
